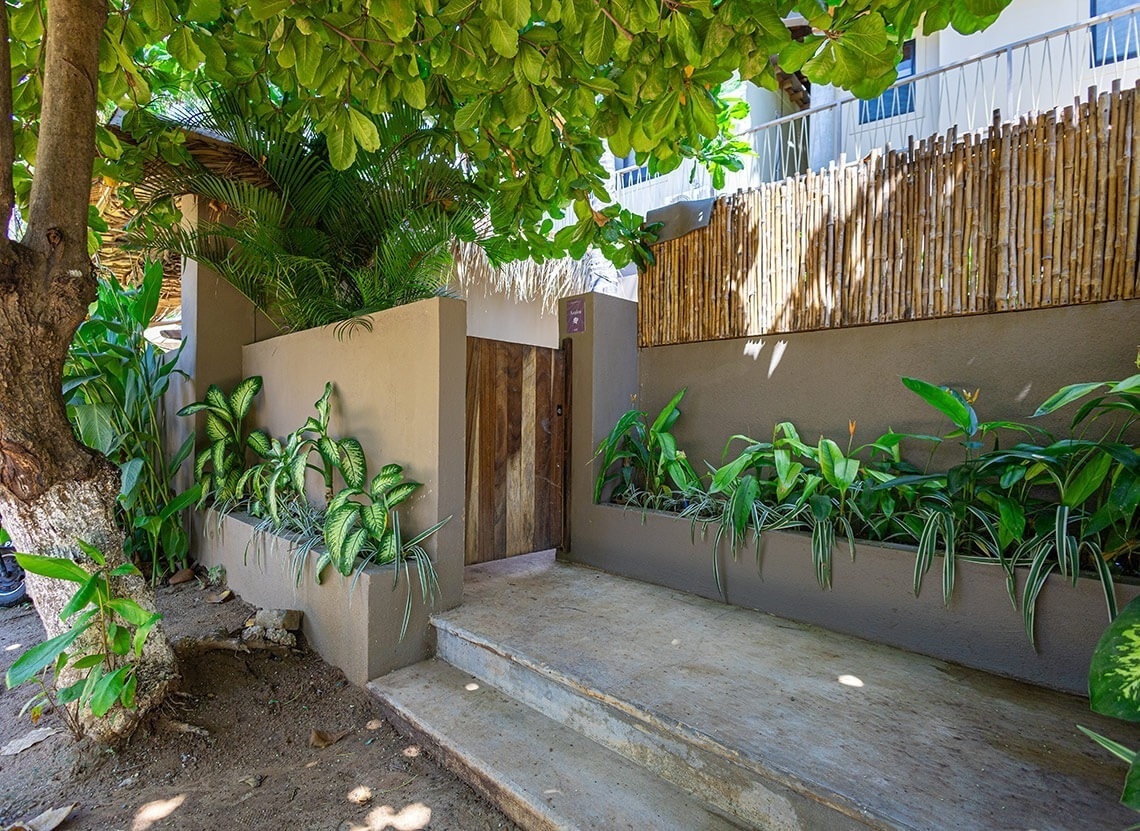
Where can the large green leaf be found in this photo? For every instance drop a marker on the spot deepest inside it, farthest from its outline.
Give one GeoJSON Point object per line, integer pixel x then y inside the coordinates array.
{"type": "Point", "coordinates": [353, 465]}
{"type": "Point", "coordinates": [107, 690]}
{"type": "Point", "coordinates": [388, 477]}
{"type": "Point", "coordinates": [375, 519]}
{"type": "Point", "coordinates": [241, 399]}
{"type": "Point", "coordinates": [1086, 480]}
{"type": "Point", "coordinates": [28, 665]}
{"type": "Point", "coordinates": [947, 402]}
{"type": "Point", "coordinates": [57, 568]}
{"type": "Point", "coordinates": [96, 423]}
{"type": "Point", "coordinates": [338, 525]}
{"type": "Point", "coordinates": [1066, 395]}
{"type": "Point", "coordinates": [1114, 674]}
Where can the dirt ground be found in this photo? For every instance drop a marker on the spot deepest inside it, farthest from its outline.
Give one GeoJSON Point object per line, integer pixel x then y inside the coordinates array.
{"type": "Point", "coordinates": [255, 770]}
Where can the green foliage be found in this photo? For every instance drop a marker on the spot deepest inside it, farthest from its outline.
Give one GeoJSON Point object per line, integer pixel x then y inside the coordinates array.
{"type": "Point", "coordinates": [95, 657]}
{"type": "Point", "coordinates": [219, 467]}
{"type": "Point", "coordinates": [531, 89]}
{"type": "Point", "coordinates": [356, 526]}
{"type": "Point", "coordinates": [1114, 689]}
{"type": "Point", "coordinates": [310, 242]}
{"type": "Point", "coordinates": [270, 485]}
{"type": "Point", "coordinates": [114, 383]}
{"type": "Point", "coordinates": [363, 527]}
{"type": "Point", "coordinates": [1056, 506]}
{"type": "Point", "coordinates": [646, 457]}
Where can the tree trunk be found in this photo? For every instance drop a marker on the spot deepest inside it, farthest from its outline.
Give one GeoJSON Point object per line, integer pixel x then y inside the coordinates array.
{"type": "Point", "coordinates": [53, 491]}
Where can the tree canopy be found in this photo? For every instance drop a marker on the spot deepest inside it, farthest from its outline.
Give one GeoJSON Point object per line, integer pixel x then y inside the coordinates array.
{"type": "Point", "coordinates": [531, 88]}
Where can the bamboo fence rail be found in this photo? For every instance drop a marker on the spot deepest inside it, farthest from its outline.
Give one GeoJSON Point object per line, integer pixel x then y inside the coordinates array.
{"type": "Point", "coordinates": [1040, 212]}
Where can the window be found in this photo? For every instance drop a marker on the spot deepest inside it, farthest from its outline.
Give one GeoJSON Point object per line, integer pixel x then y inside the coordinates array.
{"type": "Point", "coordinates": [897, 100]}
{"type": "Point", "coordinates": [628, 172]}
{"type": "Point", "coordinates": [1115, 40]}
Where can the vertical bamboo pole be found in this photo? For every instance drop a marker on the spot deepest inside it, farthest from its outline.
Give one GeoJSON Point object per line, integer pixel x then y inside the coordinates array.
{"type": "Point", "coordinates": [1049, 208]}
{"type": "Point", "coordinates": [1131, 281]}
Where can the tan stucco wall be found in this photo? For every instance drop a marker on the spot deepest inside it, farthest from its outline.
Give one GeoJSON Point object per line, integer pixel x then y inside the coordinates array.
{"type": "Point", "coordinates": [354, 625]}
{"type": "Point", "coordinates": [821, 380]}
{"type": "Point", "coordinates": [400, 390]}
{"type": "Point", "coordinates": [493, 315]}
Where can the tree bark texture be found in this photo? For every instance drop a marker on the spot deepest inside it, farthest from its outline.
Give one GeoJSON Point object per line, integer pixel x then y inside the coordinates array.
{"type": "Point", "coordinates": [54, 491]}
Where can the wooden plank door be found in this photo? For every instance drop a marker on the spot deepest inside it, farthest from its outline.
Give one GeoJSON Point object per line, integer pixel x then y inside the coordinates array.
{"type": "Point", "coordinates": [517, 418]}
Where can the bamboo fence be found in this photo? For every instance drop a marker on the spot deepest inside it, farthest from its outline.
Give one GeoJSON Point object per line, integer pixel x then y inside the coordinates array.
{"type": "Point", "coordinates": [1031, 214]}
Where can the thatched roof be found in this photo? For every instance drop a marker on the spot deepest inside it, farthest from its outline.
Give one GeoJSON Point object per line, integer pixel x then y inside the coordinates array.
{"type": "Point", "coordinates": [523, 281]}
{"type": "Point", "coordinates": [126, 265]}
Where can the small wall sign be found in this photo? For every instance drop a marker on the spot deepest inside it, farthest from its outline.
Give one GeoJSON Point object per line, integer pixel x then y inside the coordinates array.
{"type": "Point", "coordinates": [575, 316]}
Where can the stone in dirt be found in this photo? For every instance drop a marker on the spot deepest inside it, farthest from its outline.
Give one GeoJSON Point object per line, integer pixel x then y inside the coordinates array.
{"type": "Point", "coordinates": [260, 635]}
{"type": "Point", "coordinates": [287, 619]}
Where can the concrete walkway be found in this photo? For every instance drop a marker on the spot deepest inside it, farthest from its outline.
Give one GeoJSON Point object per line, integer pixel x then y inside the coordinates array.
{"type": "Point", "coordinates": [776, 724]}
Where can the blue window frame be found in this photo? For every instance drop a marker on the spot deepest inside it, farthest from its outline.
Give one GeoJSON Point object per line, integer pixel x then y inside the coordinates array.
{"type": "Point", "coordinates": [1116, 40]}
{"type": "Point", "coordinates": [897, 100]}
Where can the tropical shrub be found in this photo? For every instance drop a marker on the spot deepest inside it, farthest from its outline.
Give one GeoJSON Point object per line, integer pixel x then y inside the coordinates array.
{"type": "Point", "coordinates": [307, 243]}
{"type": "Point", "coordinates": [114, 383]}
{"type": "Point", "coordinates": [221, 464]}
{"type": "Point", "coordinates": [1045, 505]}
{"type": "Point", "coordinates": [646, 456]}
{"type": "Point", "coordinates": [356, 526]}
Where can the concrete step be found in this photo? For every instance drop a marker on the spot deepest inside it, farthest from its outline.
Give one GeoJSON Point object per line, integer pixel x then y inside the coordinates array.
{"type": "Point", "coordinates": [777, 724]}
{"type": "Point", "coordinates": [541, 774]}
{"type": "Point", "coordinates": [758, 796]}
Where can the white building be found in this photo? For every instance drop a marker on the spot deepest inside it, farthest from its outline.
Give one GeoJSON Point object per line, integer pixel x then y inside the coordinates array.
{"type": "Point", "coordinates": [1039, 55]}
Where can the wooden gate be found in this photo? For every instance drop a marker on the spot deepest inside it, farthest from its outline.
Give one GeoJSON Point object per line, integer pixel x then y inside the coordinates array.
{"type": "Point", "coordinates": [517, 428]}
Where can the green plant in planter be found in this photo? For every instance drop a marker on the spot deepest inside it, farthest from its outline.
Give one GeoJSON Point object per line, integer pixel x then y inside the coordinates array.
{"type": "Point", "coordinates": [103, 668]}
{"type": "Point", "coordinates": [646, 457]}
{"type": "Point", "coordinates": [364, 527]}
{"type": "Point", "coordinates": [114, 381]}
{"type": "Point", "coordinates": [281, 477]}
{"type": "Point", "coordinates": [220, 466]}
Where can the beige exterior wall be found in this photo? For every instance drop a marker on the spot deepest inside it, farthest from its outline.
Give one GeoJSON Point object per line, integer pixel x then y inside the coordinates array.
{"type": "Point", "coordinates": [401, 390]}
{"type": "Point", "coordinates": [821, 380]}
{"type": "Point", "coordinates": [495, 316]}
{"type": "Point", "coordinates": [354, 625]}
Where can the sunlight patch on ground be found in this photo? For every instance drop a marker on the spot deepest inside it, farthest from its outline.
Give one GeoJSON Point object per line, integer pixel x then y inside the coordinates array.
{"type": "Point", "coordinates": [471, 687]}
{"type": "Point", "coordinates": [12, 647]}
{"type": "Point", "coordinates": [152, 812]}
{"type": "Point", "coordinates": [411, 817]}
{"type": "Point", "coordinates": [850, 681]}
{"type": "Point", "coordinates": [412, 750]}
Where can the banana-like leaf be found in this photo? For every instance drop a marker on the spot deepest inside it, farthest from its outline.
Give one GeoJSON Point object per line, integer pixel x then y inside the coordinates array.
{"type": "Point", "coordinates": [948, 402]}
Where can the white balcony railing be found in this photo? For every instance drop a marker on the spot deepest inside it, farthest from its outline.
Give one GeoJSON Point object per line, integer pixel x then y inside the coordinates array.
{"type": "Point", "coordinates": [1037, 74]}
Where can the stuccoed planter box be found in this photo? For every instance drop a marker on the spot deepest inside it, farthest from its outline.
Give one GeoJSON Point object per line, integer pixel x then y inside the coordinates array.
{"type": "Point", "coordinates": [872, 597]}
{"type": "Point", "coordinates": [355, 628]}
